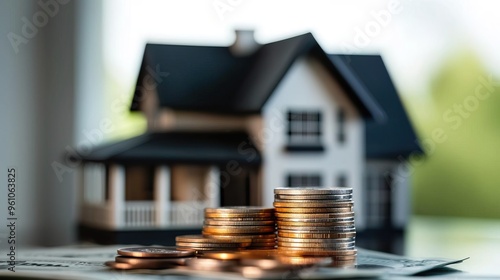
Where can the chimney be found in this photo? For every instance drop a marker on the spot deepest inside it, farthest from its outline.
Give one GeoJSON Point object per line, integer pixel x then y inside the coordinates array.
{"type": "Point", "coordinates": [245, 43]}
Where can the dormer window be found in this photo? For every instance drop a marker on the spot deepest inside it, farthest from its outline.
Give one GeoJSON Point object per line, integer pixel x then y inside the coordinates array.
{"type": "Point", "coordinates": [304, 130]}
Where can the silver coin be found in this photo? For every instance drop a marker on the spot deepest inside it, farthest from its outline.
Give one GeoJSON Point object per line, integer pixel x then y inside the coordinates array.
{"type": "Point", "coordinates": [313, 191]}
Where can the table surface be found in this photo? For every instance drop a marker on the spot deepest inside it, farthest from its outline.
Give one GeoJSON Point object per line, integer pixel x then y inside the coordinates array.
{"type": "Point", "coordinates": [455, 238]}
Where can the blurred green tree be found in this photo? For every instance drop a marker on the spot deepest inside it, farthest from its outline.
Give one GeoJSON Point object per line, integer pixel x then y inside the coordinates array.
{"type": "Point", "coordinates": [460, 175]}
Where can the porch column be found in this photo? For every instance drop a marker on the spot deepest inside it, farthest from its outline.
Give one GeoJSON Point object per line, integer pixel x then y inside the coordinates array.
{"type": "Point", "coordinates": [162, 195]}
{"type": "Point", "coordinates": [117, 196]}
{"type": "Point", "coordinates": [212, 187]}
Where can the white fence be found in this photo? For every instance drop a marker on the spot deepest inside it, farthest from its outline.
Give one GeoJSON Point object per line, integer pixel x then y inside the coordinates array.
{"type": "Point", "coordinates": [142, 214]}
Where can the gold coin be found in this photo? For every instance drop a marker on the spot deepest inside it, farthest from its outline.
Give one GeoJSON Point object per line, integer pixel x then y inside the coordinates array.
{"type": "Point", "coordinates": [318, 228]}
{"type": "Point", "coordinates": [313, 191]}
{"type": "Point", "coordinates": [205, 239]}
{"type": "Point", "coordinates": [317, 224]}
{"type": "Point", "coordinates": [349, 245]}
{"type": "Point", "coordinates": [292, 234]}
{"type": "Point", "coordinates": [239, 223]}
{"type": "Point", "coordinates": [263, 215]}
{"type": "Point", "coordinates": [338, 215]}
{"type": "Point", "coordinates": [240, 210]}
{"type": "Point", "coordinates": [309, 204]}
{"type": "Point", "coordinates": [237, 230]}
{"type": "Point", "coordinates": [313, 197]}
{"type": "Point", "coordinates": [152, 262]}
{"type": "Point", "coordinates": [301, 210]}
{"type": "Point", "coordinates": [210, 264]}
{"type": "Point", "coordinates": [154, 252]}
{"type": "Point", "coordinates": [251, 236]}
{"type": "Point", "coordinates": [315, 240]}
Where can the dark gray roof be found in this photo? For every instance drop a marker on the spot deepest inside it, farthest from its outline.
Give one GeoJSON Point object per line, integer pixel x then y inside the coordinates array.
{"type": "Point", "coordinates": [395, 136]}
{"type": "Point", "coordinates": [213, 79]}
{"type": "Point", "coordinates": [178, 148]}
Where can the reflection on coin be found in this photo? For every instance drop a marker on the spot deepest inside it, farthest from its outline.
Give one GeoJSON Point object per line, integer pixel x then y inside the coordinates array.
{"type": "Point", "coordinates": [154, 252]}
{"type": "Point", "coordinates": [210, 264]}
{"type": "Point", "coordinates": [124, 266]}
{"type": "Point", "coordinates": [314, 190]}
{"type": "Point", "coordinates": [152, 262]}
{"type": "Point", "coordinates": [218, 255]}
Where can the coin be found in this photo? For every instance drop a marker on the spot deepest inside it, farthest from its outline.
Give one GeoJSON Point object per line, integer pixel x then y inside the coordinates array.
{"type": "Point", "coordinates": [316, 252]}
{"type": "Point", "coordinates": [339, 215]}
{"type": "Point", "coordinates": [237, 230]}
{"type": "Point", "coordinates": [240, 210]}
{"type": "Point", "coordinates": [154, 252]}
{"type": "Point", "coordinates": [313, 191]}
{"type": "Point", "coordinates": [217, 217]}
{"type": "Point", "coordinates": [210, 264]}
{"type": "Point", "coordinates": [313, 197]}
{"type": "Point", "coordinates": [325, 229]}
{"type": "Point", "coordinates": [152, 262]}
{"type": "Point", "coordinates": [205, 239]}
{"type": "Point", "coordinates": [238, 223]}
{"type": "Point", "coordinates": [305, 234]}
{"type": "Point", "coordinates": [315, 240]}
{"type": "Point", "coordinates": [338, 245]}
{"type": "Point", "coordinates": [312, 210]}
{"type": "Point", "coordinates": [264, 215]}
{"type": "Point", "coordinates": [310, 204]}
{"type": "Point", "coordinates": [314, 224]}
{"type": "Point", "coordinates": [252, 236]}
{"type": "Point", "coordinates": [323, 220]}
{"type": "Point", "coordinates": [213, 245]}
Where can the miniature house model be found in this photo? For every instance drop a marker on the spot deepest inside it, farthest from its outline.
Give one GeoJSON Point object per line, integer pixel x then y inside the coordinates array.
{"type": "Point", "coordinates": [226, 125]}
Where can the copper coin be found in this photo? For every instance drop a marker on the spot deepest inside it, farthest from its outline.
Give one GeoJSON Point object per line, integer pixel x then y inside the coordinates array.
{"type": "Point", "coordinates": [240, 210]}
{"type": "Point", "coordinates": [324, 229]}
{"type": "Point", "coordinates": [347, 245]}
{"type": "Point", "coordinates": [237, 230]}
{"type": "Point", "coordinates": [239, 223]}
{"type": "Point", "coordinates": [315, 240]}
{"type": "Point", "coordinates": [154, 252]}
{"type": "Point", "coordinates": [212, 245]}
{"type": "Point", "coordinates": [282, 224]}
{"type": "Point", "coordinates": [251, 236]}
{"type": "Point", "coordinates": [317, 251]}
{"type": "Point", "coordinates": [211, 240]}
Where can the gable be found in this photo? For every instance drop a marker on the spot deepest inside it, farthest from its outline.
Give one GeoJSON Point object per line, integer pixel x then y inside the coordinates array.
{"type": "Point", "coordinates": [212, 79]}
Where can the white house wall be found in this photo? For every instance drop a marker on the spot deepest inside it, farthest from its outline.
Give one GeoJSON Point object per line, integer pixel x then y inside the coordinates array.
{"type": "Point", "coordinates": [308, 86]}
{"type": "Point", "coordinates": [401, 196]}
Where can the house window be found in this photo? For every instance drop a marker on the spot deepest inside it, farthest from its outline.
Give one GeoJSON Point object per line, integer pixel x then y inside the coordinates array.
{"type": "Point", "coordinates": [341, 135]}
{"type": "Point", "coordinates": [139, 182]}
{"type": "Point", "coordinates": [342, 180]}
{"type": "Point", "coordinates": [304, 128]}
{"type": "Point", "coordinates": [303, 180]}
{"type": "Point", "coordinates": [378, 198]}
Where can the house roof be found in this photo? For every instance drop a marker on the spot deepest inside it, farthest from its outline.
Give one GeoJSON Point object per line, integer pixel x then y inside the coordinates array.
{"type": "Point", "coordinates": [180, 147]}
{"type": "Point", "coordinates": [395, 136]}
{"type": "Point", "coordinates": [213, 79]}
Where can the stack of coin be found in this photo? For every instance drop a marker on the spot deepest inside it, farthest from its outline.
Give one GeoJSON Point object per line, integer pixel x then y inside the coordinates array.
{"type": "Point", "coordinates": [316, 222]}
{"type": "Point", "coordinates": [233, 223]}
{"type": "Point", "coordinates": [150, 258]}
{"type": "Point", "coordinates": [207, 243]}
